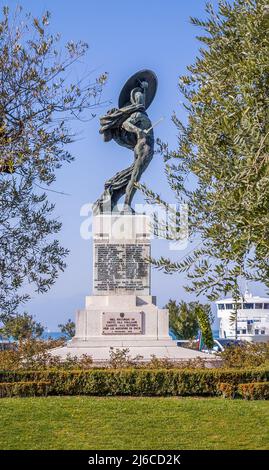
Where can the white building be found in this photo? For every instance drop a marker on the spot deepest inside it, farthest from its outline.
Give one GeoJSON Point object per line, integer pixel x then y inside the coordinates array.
{"type": "Point", "coordinates": [252, 318]}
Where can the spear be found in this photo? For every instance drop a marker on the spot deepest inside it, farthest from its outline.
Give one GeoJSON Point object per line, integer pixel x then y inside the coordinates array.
{"type": "Point", "coordinates": [153, 125]}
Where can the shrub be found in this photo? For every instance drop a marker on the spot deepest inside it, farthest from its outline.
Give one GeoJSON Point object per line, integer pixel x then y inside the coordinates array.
{"type": "Point", "coordinates": [137, 381]}
{"type": "Point", "coordinates": [35, 355]}
{"type": "Point", "coordinates": [254, 391]}
{"type": "Point", "coordinates": [166, 363]}
{"type": "Point", "coordinates": [120, 358]}
{"type": "Point", "coordinates": [24, 389]}
{"type": "Point", "coordinates": [228, 390]}
{"type": "Point", "coordinates": [156, 363]}
{"type": "Point", "coordinates": [246, 355]}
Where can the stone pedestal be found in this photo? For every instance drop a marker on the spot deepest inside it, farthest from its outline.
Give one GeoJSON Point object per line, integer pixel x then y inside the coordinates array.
{"type": "Point", "coordinates": [122, 313]}
{"type": "Point", "coordinates": [122, 320]}
{"type": "Point", "coordinates": [121, 244]}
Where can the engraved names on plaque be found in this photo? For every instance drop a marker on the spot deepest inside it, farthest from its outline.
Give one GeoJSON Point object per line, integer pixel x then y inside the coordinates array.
{"type": "Point", "coordinates": [121, 268]}
{"type": "Point", "coordinates": [122, 323]}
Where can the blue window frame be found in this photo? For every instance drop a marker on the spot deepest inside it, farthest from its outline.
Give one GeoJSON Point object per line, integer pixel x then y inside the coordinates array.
{"type": "Point", "coordinates": [229, 306]}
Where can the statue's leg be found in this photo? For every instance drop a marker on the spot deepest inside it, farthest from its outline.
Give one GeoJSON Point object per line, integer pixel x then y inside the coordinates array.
{"type": "Point", "coordinates": [143, 156]}
{"type": "Point", "coordinates": [130, 189]}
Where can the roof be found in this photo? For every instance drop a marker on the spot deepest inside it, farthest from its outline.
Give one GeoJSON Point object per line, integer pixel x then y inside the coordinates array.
{"type": "Point", "coordinates": [248, 298]}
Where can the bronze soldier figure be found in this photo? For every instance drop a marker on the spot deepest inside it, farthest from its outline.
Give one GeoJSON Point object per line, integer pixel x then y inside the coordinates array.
{"type": "Point", "coordinates": [130, 126]}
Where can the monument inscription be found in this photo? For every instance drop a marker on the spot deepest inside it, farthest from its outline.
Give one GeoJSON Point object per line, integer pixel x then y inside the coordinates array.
{"type": "Point", "coordinates": [122, 323]}
{"type": "Point", "coordinates": [121, 267]}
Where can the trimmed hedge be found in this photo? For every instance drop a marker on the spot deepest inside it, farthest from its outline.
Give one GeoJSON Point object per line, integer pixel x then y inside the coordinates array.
{"type": "Point", "coordinates": [228, 390]}
{"type": "Point", "coordinates": [23, 389]}
{"type": "Point", "coordinates": [137, 382]}
{"type": "Point", "coordinates": [254, 391]}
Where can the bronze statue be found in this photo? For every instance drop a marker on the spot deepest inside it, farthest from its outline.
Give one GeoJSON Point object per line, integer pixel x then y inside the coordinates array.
{"type": "Point", "coordinates": [130, 126]}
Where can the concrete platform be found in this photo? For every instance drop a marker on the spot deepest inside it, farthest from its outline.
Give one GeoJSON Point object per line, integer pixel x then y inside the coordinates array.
{"type": "Point", "coordinates": [101, 353]}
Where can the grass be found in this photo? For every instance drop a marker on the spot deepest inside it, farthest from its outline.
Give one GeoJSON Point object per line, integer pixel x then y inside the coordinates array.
{"type": "Point", "coordinates": [133, 423]}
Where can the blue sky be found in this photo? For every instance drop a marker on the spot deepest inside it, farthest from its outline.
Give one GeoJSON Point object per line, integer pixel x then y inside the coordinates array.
{"type": "Point", "coordinates": [124, 36]}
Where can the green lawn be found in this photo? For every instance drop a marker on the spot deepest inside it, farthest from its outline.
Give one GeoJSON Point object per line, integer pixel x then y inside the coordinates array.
{"type": "Point", "coordinates": [133, 423]}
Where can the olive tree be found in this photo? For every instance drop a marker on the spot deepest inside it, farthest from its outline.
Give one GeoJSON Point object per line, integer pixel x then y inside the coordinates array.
{"type": "Point", "coordinates": [38, 102]}
{"type": "Point", "coordinates": [221, 166]}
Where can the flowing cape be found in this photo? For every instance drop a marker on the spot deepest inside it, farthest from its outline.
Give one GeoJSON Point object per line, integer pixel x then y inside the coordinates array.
{"type": "Point", "coordinates": [116, 118]}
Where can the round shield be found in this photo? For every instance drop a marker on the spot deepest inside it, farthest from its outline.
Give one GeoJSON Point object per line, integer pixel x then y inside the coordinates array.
{"type": "Point", "coordinates": [134, 81]}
